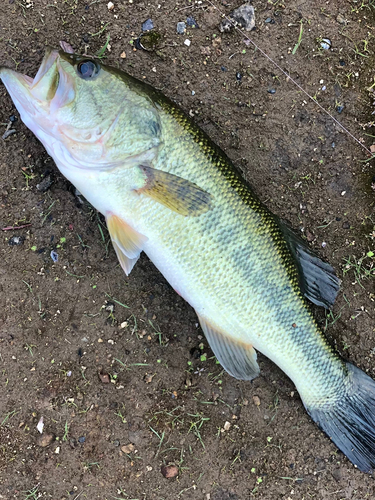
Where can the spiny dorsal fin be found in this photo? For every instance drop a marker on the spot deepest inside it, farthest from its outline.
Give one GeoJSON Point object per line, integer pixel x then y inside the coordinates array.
{"type": "Point", "coordinates": [175, 193]}
{"type": "Point", "coordinates": [318, 280]}
{"type": "Point", "coordinates": [237, 358]}
{"type": "Point", "coordinates": [127, 242]}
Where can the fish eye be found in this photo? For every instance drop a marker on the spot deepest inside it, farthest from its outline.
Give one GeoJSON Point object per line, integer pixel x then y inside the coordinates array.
{"type": "Point", "coordinates": [88, 69]}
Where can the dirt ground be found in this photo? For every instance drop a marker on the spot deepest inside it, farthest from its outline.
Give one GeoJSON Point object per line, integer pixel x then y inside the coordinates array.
{"type": "Point", "coordinates": [118, 367]}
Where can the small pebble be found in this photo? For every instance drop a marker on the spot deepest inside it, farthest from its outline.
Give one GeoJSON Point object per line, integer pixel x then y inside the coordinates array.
{"type": "Point", "coordinates": [148, 378]}
{"type": "Point", "coordinates": [181, 28]}
{"type": "Point", "coordinates": [187, 42]}
{"type": "Point", "coordinates": [324, 244]}
{"type": "Point", "coordinates": [169, 471]}
{"type": "Point", "coordinates": [269, 20]}
{"type": "Point", "coordinates": [271, 91]}
{"type": "Point", "coordinates": [256, 400]}
{"type": "Point", "coordinates": [116, 442]}
{"type": "Point", "coordinates": [193, 92]}
{"type": "Point", "coordinates": [45, 440]}
{"type": "Point", "coordinates": [16, 240]}
{"type": "Point", "coordinates": [309, 236]}
{"type": "Point", "coordinates": [81, 439]}
{"type": "Point", "coordinates": [104, 378]}
{"type": "Point", "coordinates": [333, 145]}
{"type": "Point", "coordinates": [325, 43]}
{"type": "Point", "coordinates": [243, 16]}
{"type": "Point", "coordinates": [13, 118]}
{"type": "Point", "coordinates": [129, 448]}
{"type": "Point", "coordinates": [110, 6]}
{"type": "Point", "coordinates": [324, 88]}
{"type": "Point", "coordinates": [45, 184]}
{"type": "Point", "coordinates": [123, 55]}
{"type": "Point", "coordinates": [191, 22]}
{"type": "Point", "coordinates": [54, 256]}
{"type": "Point", "coordinates": [227, 426]}
{"type": "Point", "coordinates": [148, 25]}
{"type": "Point", "coordinates": [109, 306]}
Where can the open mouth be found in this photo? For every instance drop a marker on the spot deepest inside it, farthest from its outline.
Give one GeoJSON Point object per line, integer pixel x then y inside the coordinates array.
{"type": "Point", "coordinates": [49, 90]}
{"type": "Point", "coordinates": [48, 60]}
{"type": "Point", "coordinates": [46, 82]}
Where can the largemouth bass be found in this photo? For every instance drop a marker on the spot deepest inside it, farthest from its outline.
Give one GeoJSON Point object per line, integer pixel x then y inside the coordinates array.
{"type": "Point", "coordinates": [167, 190]}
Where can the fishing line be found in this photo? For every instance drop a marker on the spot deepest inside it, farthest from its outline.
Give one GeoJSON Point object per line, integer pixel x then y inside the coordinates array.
{"type": "Point", "coordinates": [290, 78]}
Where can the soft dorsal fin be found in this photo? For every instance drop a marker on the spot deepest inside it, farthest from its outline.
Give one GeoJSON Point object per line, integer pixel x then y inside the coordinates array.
{"type": "Point", "coordinates": [127, 242]}
{"type": "Point", "coordinates": [175, 193]}
{"type": "Point", "coordinates": [237, 358]}
{"type": "Point", "coordinates": [318, 280]}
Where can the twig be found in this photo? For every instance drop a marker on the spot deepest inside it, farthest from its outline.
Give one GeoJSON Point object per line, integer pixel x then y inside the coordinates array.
{"type": "Point", "coordinates": [13, 228]}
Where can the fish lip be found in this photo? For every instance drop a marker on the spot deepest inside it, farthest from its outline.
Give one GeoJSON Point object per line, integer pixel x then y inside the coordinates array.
{"type": "Point", "coordinates": [25, 80]}
{"type": "Point", "coordinates": [49, 58]}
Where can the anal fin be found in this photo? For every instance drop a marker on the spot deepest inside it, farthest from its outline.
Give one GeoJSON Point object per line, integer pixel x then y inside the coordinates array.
{"type": "Point", "coordinates": [127, 242]}
{"type": "Point", "coordinates": [237, 358]}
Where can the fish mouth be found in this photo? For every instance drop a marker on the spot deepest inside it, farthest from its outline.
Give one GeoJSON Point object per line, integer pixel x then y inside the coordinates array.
{"type": "Point", "coordinates": [50, 89]}
{"type": "Point", "coordinates": [49, 58]}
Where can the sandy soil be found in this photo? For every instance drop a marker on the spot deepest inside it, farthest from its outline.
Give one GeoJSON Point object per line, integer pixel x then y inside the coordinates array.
{"type": "Point", "coordinates": [113, 364]}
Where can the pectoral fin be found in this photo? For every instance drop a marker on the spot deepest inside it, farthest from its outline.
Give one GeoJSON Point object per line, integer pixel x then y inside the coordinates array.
{"type": "Point", "coordinates": [176, 193]}
{"type": "Point", "coordinates": [237, 358]}
{"type": "Point", "coordinates": [127, 242]}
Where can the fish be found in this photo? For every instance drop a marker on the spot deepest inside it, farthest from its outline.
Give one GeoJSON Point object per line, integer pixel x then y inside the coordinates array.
{"type": "Point", "coordinates": [167, 190]}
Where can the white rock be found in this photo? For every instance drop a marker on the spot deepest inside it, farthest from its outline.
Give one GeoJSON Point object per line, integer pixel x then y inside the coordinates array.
{"type": "Point", "coordinates": [40, 425]}
{"type": "Point", "coordinates": [227, 426]}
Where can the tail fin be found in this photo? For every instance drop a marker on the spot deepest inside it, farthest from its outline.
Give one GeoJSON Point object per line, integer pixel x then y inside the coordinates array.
{"type": "Point", "coordinates": [350, 422]}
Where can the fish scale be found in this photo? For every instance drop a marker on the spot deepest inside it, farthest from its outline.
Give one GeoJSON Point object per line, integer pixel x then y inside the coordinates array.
{"type": "Point", "coordinates": [276, 279]}
{"type": "Point", "coordinates": [166, 189]}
